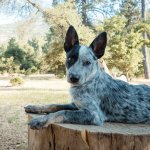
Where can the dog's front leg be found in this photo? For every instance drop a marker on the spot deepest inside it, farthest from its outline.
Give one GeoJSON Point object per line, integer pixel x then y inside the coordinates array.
{"type": "Point", "coordinates": [49, 108]}
{"type": "Point", "coordinates": [65, 116]}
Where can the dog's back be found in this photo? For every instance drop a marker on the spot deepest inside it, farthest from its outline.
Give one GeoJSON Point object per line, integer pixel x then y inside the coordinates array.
{"type": "Point", "coordinates": [126, 103]}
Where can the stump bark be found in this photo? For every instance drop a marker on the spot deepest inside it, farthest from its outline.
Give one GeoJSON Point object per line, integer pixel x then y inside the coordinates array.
{"type": "Point", "coordinates": [110, 136]}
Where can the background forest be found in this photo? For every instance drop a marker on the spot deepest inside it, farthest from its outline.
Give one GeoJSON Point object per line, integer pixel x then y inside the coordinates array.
{"type": "Point", "coordinates": [29, 52]}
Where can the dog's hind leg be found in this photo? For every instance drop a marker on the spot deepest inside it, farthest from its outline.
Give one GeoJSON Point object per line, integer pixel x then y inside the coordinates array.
{"type": "Point", "coordinates": [65, 116]}
{"type": "Point", "coordinates": [49, 108]}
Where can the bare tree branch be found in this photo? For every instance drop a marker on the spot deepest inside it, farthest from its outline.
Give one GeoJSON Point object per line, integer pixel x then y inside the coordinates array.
{"type": "Point", "coordinates": [38, 7]}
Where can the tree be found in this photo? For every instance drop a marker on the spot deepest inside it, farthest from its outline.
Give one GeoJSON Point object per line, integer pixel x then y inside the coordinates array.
{"type": "Point", "coordinates": [60, 18]}
{"type": "Point", "coordinates": [124, 31]}
{"type": "Point", "coordinates": [35, 44]}
{"type": "Point", "coordinates": [12, 43]}
{"type": "Point", "coordinates": [7, 65]}
{"type": "Point", "coordinates": [24, 56]}
{"type": "Point", "coordinates": [48, 39]}
{"type": "Point", "coordinates": [123, 50]}
{"type": "Point", "coordinates": [144, 49]}
{"type": "Point", "coordinates": [14, 51]}
{"type": "Point", "coordinates": [33, 56]}
{"type": "Point", "coordinates": [130, 10]}
{"type": "Point", "coordinates": [88, 9]}
{"type": "Point", "coordinates": [2, 50]}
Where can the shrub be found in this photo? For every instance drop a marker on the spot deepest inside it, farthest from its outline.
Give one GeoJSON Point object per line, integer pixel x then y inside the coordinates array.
{"type": "Point", "coordinates": [7, 65]}
{"type": "Point", "coordinates": [16, 81]}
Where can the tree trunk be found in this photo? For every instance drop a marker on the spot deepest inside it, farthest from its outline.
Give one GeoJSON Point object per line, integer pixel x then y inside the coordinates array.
{"type": "Point", "coordinates": [110, 136]}
{"type": "Point", "coordinates": [84, 14]}
{"type": "Point", "coordinates": [144, 49]}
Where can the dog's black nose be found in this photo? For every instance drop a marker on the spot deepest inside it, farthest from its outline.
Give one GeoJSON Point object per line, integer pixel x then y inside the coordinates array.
{"type": "Point", "coordinates": [74, 78]}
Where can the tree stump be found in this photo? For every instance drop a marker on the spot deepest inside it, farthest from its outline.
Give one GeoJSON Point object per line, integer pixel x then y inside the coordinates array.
{"type": "Point", "coordinates": [110, 136]}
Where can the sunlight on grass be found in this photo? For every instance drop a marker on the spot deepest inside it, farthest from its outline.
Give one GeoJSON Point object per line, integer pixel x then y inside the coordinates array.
{"type": "Point", "coordinates": [33, 96]}
{"type": "Point", "coordinates": [13, 117]}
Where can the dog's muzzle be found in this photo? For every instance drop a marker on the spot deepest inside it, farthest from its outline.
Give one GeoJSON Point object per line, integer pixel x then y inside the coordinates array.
{"type": "Point", "coordinates": [74, 78]}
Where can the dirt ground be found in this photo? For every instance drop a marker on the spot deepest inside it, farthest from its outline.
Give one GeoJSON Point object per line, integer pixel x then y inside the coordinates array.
{"type": "Point", "coordinates": [13, 120]}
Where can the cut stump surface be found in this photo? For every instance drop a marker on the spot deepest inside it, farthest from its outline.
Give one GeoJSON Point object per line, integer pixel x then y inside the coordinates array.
{"type": "Point", "coordinates": [110, 136]}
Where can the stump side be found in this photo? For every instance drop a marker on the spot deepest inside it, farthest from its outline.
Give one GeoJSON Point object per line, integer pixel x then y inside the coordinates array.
{"type": "Point", "coordinates": [110, 136]}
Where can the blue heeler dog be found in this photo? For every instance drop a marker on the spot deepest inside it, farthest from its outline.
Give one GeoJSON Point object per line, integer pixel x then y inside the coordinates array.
{"type": "Point", "coordinates": [96, 96]}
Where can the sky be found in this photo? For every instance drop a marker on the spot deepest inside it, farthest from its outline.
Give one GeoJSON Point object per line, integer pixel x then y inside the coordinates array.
{"type": "Point", "coordinates": [6, 19]}
{"type": "Point", "coordinates": [12, 18]}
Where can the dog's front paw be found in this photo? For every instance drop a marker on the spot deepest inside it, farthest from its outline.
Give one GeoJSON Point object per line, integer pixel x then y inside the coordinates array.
{"type": "Point", "coordinates": [28, 108]}
{"type": "Point", "coordinates": [32, 109]}
{"type": "Point", "coordinates": [38, 123]}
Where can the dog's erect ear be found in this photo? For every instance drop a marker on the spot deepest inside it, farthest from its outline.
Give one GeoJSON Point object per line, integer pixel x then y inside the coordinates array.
{"type": "Point", "coordinates": [71, 39]}
{"type": "Point", "coordinates": [99, 44]}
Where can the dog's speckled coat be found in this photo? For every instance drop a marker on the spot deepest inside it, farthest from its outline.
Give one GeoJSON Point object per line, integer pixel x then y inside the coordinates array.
{"type": "Point", "coordinates": [96, 96]}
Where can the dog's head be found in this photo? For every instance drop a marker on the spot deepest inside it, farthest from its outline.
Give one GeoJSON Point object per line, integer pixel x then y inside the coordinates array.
{"type": "Point", "coordinates": [81, 61]}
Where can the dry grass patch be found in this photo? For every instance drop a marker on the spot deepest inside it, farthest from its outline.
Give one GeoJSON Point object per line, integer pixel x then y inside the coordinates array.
{"type": "Point", "coordinates": [13, 120]}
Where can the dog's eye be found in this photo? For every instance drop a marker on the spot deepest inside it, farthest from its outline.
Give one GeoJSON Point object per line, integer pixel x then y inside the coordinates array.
{"type": "Point", "coordinates": [70, 60]}
{"type": "Point", "coordinates": [86, 63]}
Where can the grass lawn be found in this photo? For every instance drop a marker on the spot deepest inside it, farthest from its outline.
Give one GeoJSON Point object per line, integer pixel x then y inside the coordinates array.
{"type": "Point", "coordinates": [13, 120]}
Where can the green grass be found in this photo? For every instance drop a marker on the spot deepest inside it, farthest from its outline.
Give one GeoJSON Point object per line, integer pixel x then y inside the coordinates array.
{"type": "Point", "coordinates": [13, 124]}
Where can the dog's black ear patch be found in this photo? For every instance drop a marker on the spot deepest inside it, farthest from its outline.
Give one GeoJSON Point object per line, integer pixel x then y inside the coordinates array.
{"type": "Point", "coordinates": [99, 44]}
{"type": "Point", "coordinates": [71, 39]}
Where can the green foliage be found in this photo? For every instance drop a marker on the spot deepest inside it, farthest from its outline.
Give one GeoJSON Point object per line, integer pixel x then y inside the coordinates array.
{"type": "Point", "coordinates": [15, 81]}
{"type": "Point", "coordinates": [7, 65]}
{"type": "Point", "coordinates": [30, 60]}
{"type": "Point", "coordinates": [13, 50]}
{"type": "Point", "coordinates": [60, 18]}
{"type": "Point", "coordinates": [48, 39]}
{"type": "Point", "coordinates": [2, 50]}
{"type": "Point", "coordinates": [17, 53]}
{"type": "Point", "coordinates": [130, 10]}
{"type": "Point", "coordinates": [26, 56]}
{"type": "Point", "coordinates": [124, 44]}
{"type": "Point", "coordinates": [12, 43]}
{"type": "Point", "coordinates": [35, 44]}
{"type": "Point", "coordinates": [124, 28]}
